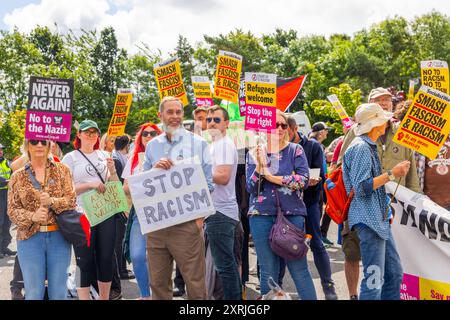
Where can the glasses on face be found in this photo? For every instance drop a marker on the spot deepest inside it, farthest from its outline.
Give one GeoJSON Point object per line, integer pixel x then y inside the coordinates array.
{"type": "Point", "coordinates": [216, 120]}
{"type": "Point", "coordinates": [174, 112]}
{"type": "Point", "coordinates": [283, 126]}
{"type": "Point", "coordinates": [91, 133]}
{"type": "Point", "coordinates": [149, 133]}
{"type": "Point", "coordinates": [35, 142]}
{"type": "Point", "coordinates": [383, 100]}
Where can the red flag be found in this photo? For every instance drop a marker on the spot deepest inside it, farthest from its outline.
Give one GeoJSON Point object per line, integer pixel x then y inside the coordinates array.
{"type": "Point", "coordinates": [287, 91]}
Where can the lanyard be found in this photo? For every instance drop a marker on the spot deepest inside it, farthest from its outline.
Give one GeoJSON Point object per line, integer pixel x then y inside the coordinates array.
{"type": "Point", "coordinates": [33, 178]}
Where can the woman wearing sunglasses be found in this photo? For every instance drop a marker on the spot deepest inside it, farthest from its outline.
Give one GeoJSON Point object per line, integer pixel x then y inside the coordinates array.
{"type": "Point", "coordinates": [91, 169]}
{"type": "Point", "coordinates": [36, 194]}
{"type": "Point", "coordinates": [135, 242]}
{"type": "Point", "coordinates": [280, 168]}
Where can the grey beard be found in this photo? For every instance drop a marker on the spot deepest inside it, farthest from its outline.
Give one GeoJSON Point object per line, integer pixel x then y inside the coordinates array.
{"type": "Point", "coordinates": [170, 130]}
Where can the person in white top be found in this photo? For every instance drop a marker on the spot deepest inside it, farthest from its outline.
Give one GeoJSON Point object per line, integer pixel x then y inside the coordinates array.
{"type": "Point", "coordinates": [135, 242]}
{"type": "Point", "coordinates": [91, 168]}
{"type": "Point", "coordinates": [220, 227]}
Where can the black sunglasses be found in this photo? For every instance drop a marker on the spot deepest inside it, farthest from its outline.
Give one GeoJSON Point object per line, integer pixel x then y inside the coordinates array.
{"type": "Point", "coordinates": [283, 126]}
{"type": "Point", "coordinates": [216, 120]}
{"type": "Point", "coordinates": [149, 133]}
{"type": "Point", "coordinates": [35, 142]}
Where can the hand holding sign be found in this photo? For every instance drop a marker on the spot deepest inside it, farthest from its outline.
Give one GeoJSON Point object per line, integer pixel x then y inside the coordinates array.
{"type": "Point", "coordinates": [110, 165]}
{"type": "Point", "coordinates": [45, 199]}
{"type": "Point", "coordinates": [261, 156]}
{"type": "Point", "coordinates": [164, 164]}
{"type": "Point", "coordinates": [99, 186]}
{"type": "Point", "coordinates": [401, 169]}
{"type": "Point", "coordinates": [40, 216]}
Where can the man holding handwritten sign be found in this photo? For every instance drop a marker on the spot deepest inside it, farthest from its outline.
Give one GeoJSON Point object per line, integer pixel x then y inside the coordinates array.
{"type": "Point", "coordinates": [181, 195]}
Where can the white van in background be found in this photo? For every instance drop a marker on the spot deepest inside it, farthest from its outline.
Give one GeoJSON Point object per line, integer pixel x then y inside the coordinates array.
{"type": "Point", "coordinates": [304, 126]}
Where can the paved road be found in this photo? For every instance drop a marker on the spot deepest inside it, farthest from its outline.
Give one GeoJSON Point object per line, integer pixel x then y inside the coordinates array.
{"type": "Point", "coordinates": [130, 289]}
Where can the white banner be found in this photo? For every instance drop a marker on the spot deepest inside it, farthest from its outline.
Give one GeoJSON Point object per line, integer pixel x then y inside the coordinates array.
{"type": "Point", "coordinates": [421, 231]}
{"type": "Point", "coordinates": [164, 198]}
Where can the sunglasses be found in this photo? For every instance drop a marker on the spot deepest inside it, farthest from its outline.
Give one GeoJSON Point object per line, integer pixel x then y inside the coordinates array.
{"type": "Point", "coordinates": [149, 133]}
{"type": "Point", "coordinates": [216, 120]}
{"type": "Point", "coordinates": [35, 142]}
{"type": "Point", "coordinates": [91, 133]}
{"type": "Point", "coordinates": [283, 126]}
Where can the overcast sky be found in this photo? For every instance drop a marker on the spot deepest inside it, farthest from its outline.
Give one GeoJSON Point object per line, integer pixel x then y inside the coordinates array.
{"type": "Point", "coordinates": [158, 23]}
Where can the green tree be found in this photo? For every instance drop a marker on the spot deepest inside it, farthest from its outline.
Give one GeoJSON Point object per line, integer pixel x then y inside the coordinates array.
{"type": "Point", "coordinates": [185, 53]}
{"type": "Point", "coordinates": [432, 36]}
{"type": "Point", "coordinates": [146, 97]}
{"type": "Point", "coordinates": [238, 41]}
{"type": "Point", "coordinates": [12, 130]}
{"type": "Point", "coordinates": [107, 60]}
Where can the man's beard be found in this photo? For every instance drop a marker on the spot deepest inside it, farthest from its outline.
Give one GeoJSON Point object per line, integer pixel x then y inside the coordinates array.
{"type": "Point", "coordinates": [170, 130]}
{"type": "Point", "coordinates": [216, 134]}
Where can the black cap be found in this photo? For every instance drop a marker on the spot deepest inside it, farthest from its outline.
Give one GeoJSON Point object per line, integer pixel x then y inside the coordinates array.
{"type": "Point", "coordinates": [319, 126]}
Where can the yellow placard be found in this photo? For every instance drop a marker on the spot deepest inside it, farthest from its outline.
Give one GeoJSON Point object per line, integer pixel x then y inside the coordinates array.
{"type": "Point", "coordinates": [228, 73]}
{"type": "Point", "coordinates": [120, 113]}
{"type": "Point", "coordinates": [346, 121]}
{"type": "Point", "coordinates": [412, 84]}
{"type": "Point", "coordinates": [170, 81]}
{"type": "Point", "coordinates": [435, 75]}
{"type": "Point", "coordinates": [434, 290]}
{"type": "Point", "coordinates": [426, 125]}
{"type": "Point", "coordinates": [202, 90]}
{"type": "Point", "coordinates": [201, 86]}
{"type": "Point", "coordinates": [261, 94]}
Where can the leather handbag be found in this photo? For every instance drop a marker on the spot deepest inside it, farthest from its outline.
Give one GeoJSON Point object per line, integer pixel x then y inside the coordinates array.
{"type": "Point", "coordinates": [72, 228]}
{"type": "Point", "coordinates": [286, 240]}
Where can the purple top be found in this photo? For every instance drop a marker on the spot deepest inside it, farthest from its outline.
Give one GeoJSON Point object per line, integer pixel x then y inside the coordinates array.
{"type": "Point", "coordinates": [291, 163]}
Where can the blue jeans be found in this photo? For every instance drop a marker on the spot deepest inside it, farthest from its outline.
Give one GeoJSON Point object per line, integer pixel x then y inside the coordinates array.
{"type": "Point", "coordinates": [321, 258]}
{"type": "Point", "coordinates": [138, 255]}
{"type": "Point", "coordinates": [46, 255]}
{"type": "Point", "coordinates": [383, 272]}
{"type": "Point", "coordinates": [269, 262]}
{"type": "Point", "coordinates": [220, 231]}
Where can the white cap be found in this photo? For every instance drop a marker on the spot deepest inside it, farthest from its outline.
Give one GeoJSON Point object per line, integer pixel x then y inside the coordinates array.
{"type": "Point", "coordinates": [369, 116]}
{"type": "Point", "coordinates": [378, 92]}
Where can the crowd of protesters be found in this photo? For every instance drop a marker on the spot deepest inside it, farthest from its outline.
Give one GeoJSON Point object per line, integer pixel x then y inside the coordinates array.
{"type": "Point", "coordinates": [211, 254]}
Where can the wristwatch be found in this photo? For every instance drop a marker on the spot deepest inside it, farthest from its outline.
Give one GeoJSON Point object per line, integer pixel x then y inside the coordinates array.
{"type": "Point", "coordinates": [390, 175]}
